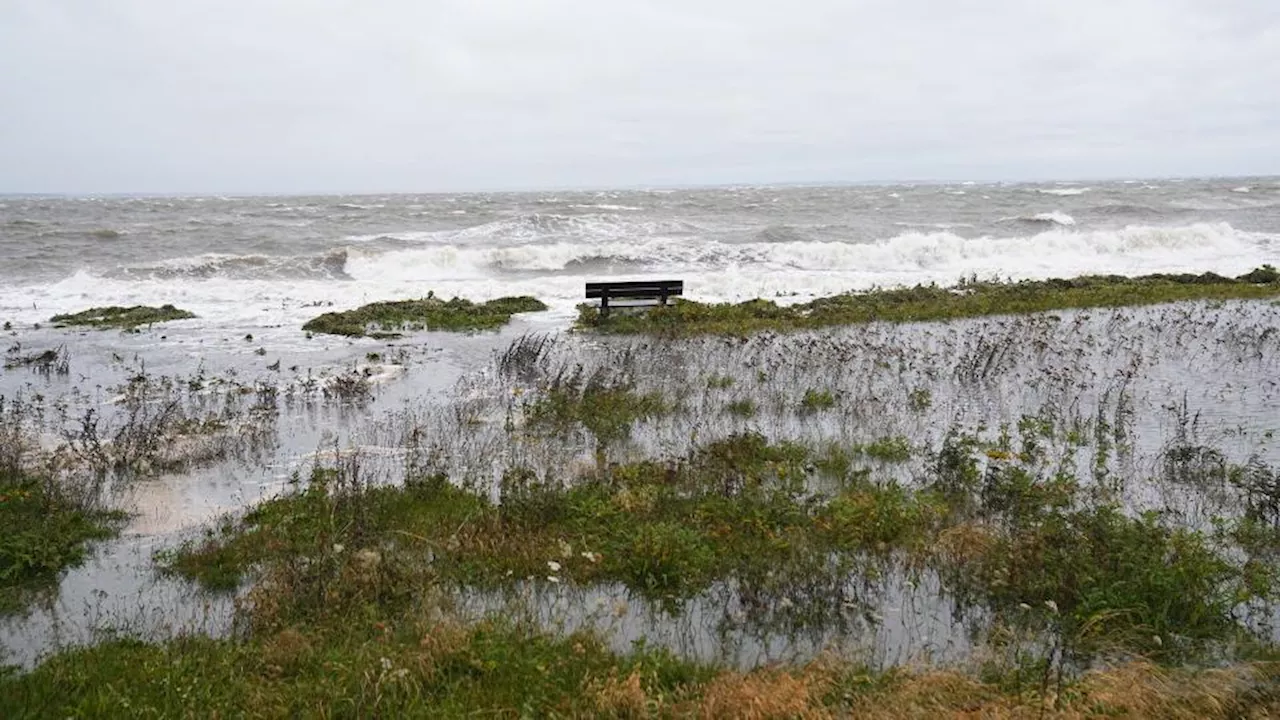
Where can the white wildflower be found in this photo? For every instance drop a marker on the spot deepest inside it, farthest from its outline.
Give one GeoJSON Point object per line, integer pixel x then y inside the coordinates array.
{"type": "Point", "coordinates": [1053, 606]}
{"type": "Point", "coordinates": [553, 566]}
{"type": "Point", "coordinates": [553, 579]}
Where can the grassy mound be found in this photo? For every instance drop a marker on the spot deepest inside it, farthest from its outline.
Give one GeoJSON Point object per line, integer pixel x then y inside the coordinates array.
{"type": "Point", "coordinates": [122, 317]}
{"type": "Point", "coordinates": [44, 533]}
{"type": "Point", "coordinates": [390, 319]}
{"type": "Point", "coordinates": [931, 302]}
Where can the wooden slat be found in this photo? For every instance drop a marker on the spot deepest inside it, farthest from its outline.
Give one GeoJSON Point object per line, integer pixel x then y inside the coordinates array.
{"type": "Point", "coordinates": [642, 288]}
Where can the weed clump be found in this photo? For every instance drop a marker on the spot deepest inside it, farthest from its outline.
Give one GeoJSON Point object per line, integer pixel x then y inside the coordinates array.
{"type": "Point", "coordinates": [608, 408]}
{"type": "Point", "coordinates": [815, 400]}
{"type": "Point", "coordinates": [125, 318]}
{"type": "Point", "coordinates": [392, 319]}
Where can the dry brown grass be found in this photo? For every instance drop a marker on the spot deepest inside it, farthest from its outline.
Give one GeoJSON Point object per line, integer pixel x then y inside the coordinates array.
{"type": "Point", "coordinates": [964, 543]}
{"type": "Point", "coordinates": [285, 651]}
{"type": "Point", "coordinates": [619, 698]}
{"type": "Point", "coordinates": [1134, 690]}
{"type": "Point", "coordinates": [767, 695]}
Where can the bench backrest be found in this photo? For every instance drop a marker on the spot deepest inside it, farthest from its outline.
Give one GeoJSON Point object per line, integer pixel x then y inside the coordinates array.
{"type": "Point", "coordinates": [639, 289]}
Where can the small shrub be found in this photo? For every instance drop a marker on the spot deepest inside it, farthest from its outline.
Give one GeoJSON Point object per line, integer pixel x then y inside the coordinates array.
{"type": "Point", "coordinates": [889, 449]}
{"type": "Point", "coordinates": [815, 400]}
{"type": "Point", "coordinates": [720, 382]}
{"type": "Point", "coordinates": [743, 408]}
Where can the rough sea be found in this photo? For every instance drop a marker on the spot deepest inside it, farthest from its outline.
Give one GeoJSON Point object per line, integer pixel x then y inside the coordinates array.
{"type": "Point", "coordinates": [249, 263]}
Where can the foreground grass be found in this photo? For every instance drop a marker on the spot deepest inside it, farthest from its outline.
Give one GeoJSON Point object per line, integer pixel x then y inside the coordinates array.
{"type": "Point", "coordinates": [930, 302]}
{"type": "Point", "coordinates": [350, 612]}
{"type": "Point", "coordinates": [391, 319]}
{"type": "Point", "coordinates": [125, 318]}
{"type": "Point", "coordinates": [42, 534]}
{"type": "Point", "coordinates": [416, 667]}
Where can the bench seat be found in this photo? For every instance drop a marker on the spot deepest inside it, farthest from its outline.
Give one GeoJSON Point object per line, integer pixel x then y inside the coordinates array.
{"type": "Point", "coordinates": [643, 293]}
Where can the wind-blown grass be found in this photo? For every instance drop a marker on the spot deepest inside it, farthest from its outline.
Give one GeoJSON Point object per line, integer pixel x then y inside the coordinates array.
{"type": "Point", "coordinates": [932, 302]}
{"type": "Point", "coordinates": [391, 319]}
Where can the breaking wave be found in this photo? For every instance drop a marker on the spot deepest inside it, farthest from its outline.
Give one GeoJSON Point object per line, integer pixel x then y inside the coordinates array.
{"type": "Point", "coordinates": [1046, 218]}
{"type": "Point", "coordinates": [1061, 249]}
{"type": "Point", "coordinates": [1062, 192]}
{"type": "Point", "coordinates": [542, 228]}
{"type": "Point", "coordinates": [326, 266]}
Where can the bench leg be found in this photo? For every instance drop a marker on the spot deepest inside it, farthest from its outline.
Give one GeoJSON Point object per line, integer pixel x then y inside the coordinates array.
{"type": "Point", "coordinates": [604, 306]}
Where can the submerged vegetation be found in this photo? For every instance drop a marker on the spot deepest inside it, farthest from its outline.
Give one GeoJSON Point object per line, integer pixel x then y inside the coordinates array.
{"type": "Point", "coordinates": [125, 318]}
{"type": "Point", "coordinates": [970, 298]}
{"type": "Point", "coordinates": [358, 579]}
{"type": "Point", "coordinates": [391, 319]}
{"type": "Point", "coordinates": [1011, 517]}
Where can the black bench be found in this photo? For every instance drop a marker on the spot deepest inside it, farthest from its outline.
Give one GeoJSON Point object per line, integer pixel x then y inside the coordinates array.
{"type": "Point", "coordinates": [633, 294]}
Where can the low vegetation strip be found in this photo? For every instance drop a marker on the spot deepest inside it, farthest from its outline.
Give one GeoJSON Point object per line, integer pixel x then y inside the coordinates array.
{"type": "Point", "coordinates": [392, 319]}
{"type": "Point", "coordinates": [932, 302]}
{"type": "Point", "coordinates": [416, 667]}
{"type": "Point", "coordinates": [125, 318]}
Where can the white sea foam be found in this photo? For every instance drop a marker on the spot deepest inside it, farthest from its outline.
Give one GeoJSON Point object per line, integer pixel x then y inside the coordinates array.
{"type": "Point", "coordinates": [1063, 192]}
{"type": "Point", "coordinates": [1056, 217]}
{"type": "Point", "coordinates": [605, 206]}
{"type": "Point", "coordinates": [712, 270]}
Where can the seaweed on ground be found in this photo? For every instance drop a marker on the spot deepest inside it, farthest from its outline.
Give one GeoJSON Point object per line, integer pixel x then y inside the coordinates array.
{"type": "Point", "coordinates": [125, 318]}
{"type": "Point", "coordinates": [391, 319]}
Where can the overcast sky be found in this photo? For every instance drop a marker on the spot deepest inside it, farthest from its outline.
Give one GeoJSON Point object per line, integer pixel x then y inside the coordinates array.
{"type": "Point", "coordinates": [425, 95]}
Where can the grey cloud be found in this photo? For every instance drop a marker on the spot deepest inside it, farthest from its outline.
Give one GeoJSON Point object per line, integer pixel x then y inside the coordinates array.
{"type": "Point", "coordinates": [336, 95]}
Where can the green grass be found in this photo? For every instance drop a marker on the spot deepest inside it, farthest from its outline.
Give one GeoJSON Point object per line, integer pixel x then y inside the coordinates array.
{"type": "Point", "coordinates": [888, 449]}
{"type": "Point", "coordinates": [607, 409]}
{"type": "Point", "coordinates": [931, 302]}
{"type": "Point", "coordinates": [734, 509]}
{"type": "Point", "coordinates": [43, 534]}
{"type": "Point", "coordinates": [393, 667]}
{"type": "Point", "coordinates": [816, 400]}
{"type": "Point", "coordinates": [391, 319]}
{"type": "Point", "coordinates": [742, 407]}
{"type": "Point", "coordinates": [419, 667]}
{"type": "Point", "coordinates": [126, 318]}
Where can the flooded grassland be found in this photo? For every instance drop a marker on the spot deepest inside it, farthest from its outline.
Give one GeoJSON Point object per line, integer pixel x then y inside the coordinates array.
{"type": "Point", "coordinates": [1064, 513]}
